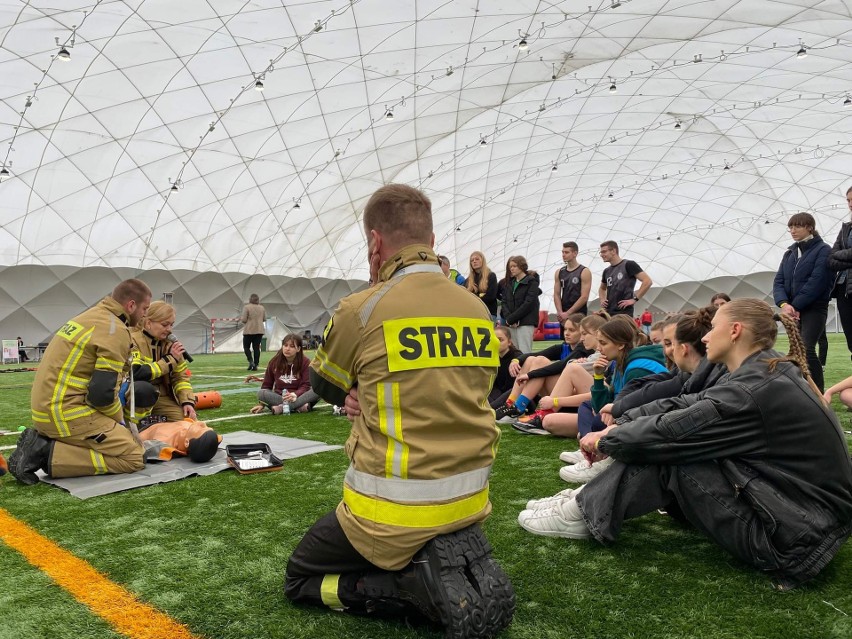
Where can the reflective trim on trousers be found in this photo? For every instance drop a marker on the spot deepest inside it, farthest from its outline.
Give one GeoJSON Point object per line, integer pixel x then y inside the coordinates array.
{"type": "Point", "coordinates": [418, 490]}
{"type": "Point", "coordinates": [413, 516]}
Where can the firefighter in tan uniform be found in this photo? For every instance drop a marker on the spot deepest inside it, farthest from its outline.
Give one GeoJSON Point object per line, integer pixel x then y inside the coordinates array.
{"type": "Point", "coordinates": [77, 417]}
{"type": "Point", "coordinates": [422, 353]}
{"type": "Point", "coordinates": [160, 362]}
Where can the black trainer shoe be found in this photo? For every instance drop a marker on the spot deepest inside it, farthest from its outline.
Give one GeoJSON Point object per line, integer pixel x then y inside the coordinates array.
{"type": "Point", "coordinates": [506, 414]}
{"type": "Point", "coordinates": [530, 427]}
{"type": "Point", "coordinates": [30, 455]}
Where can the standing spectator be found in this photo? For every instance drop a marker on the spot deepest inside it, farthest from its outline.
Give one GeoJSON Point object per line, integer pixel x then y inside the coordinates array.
{"type": "Point", "coordinates": [840, 261]}
{"type": "Point", "coordinates": [646, 320]}
{"type": "Point", "coordinates": [803, 286]}
{"type": "Point", "coordinates": [520, 303]}
{"type": "Point", "coordinates": [483, 282]}
{"type": "Point", "coordinates": [254, 315]}
{"type": "Point", "coordinates": [571, 284]}
{"type": "Point", "coordinates": [451, 273]}
{"type": "Point", "coordinates": [720, 299]}
{"type": "Point", "coordinates": [618, 282]}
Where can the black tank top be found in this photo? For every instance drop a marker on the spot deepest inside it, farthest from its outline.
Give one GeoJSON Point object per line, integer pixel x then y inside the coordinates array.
{"type": "Point", "coordinates": [570, 288]}
{"type": "Point", "coordinates": [619, 286]}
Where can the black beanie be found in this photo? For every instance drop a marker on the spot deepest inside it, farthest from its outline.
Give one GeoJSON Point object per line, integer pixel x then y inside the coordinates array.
{"type": "Point", "coordinates": [201, 449]}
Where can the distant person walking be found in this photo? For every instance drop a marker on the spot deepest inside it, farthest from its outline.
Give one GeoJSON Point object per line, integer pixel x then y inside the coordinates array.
{"type": "Point", "coordinates": [840, 261]}
{"type": "Point", "coordinates": [254, 315]}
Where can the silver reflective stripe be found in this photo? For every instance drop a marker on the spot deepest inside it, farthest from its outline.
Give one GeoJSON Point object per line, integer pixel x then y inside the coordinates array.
{"type": "Point", "coordinates": [418, 268]}
{"type": "Point", "coordinates": [418, 490]}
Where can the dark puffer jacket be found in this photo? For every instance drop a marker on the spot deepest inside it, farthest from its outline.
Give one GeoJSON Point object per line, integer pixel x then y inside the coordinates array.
{"type": "Point", "coordinates": [806, 280]}
{"type": "Point", "coordinates": [840, 257]}
{"type": "Point", "coordinates": [520, 303]}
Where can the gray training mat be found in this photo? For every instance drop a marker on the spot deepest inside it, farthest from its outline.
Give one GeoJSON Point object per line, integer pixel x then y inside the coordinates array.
{"type": "Point", "coordinates": [181, 467]}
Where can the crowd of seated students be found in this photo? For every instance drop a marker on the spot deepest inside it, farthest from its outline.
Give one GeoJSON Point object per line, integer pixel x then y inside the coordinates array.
{"type": "Point", "coordinates": [712, 441]}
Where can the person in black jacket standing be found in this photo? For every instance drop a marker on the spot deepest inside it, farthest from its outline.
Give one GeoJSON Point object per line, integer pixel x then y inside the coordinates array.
{"type": "Point", "coordinates": [840, 261]}
{"type": "Point", "coordinates": [520, 303]}
{"type": "Point", "coordinates": [482, 282]}
{"type": "Point", "coordinates": [803, 286]}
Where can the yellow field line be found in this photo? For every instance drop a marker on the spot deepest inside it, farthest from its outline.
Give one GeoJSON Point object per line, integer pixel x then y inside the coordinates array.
{"type": "Point", "coordinates": [106, 599]}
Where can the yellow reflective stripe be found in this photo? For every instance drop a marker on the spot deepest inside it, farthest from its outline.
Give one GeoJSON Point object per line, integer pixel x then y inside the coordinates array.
{"type": "Point", "coordinates": [98, 462]}
{"type": "Point", "coordinates": [40, 418]}
{"type": "Point", "coordinates": [332, 370]}
{"type": "Point", "coordinates": [39, 413]}
{"type": "Point", "coordinates": [328, 591]}
{"type": "Point", "coordinates": [182, 386]}
{"type": "Point", "coordinates": [156, 371]}
{"type": "Point", "coordinates": [103, 363]}
{"type": "Point", "coordinates": [390, 423]}
{"type": "Point", "coordinates": [181, 367]}
{"type": "Point", "coordinates": [112, 409]}
{"type": "Point", "coordinates": [79, 382]}
{"type": "Point", "coordinates": [65, 373]}
{"type": "Point", "coordinates": [411, 516]}
{"type": "Point", "coordinates": [77, 413]}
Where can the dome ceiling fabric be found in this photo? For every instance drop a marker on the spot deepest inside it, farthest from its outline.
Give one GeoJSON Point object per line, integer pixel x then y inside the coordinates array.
{"type": "Point", "coordinates": [135, 133]}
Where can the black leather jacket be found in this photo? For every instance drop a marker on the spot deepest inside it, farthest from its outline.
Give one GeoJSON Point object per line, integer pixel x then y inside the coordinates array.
{"type": "Point", "coordinates": [774, 444]}
{"type": "Point", "coordinates": [840, 256]}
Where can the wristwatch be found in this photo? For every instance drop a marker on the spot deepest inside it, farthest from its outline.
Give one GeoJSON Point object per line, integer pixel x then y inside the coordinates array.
{"type": "Point", "coordinates": [635, 299]}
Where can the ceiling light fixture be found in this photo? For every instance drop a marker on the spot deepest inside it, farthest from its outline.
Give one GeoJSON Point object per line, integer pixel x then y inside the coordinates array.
{"type": "Point", "coordinates": [612, 87]}
{"type": "Point", "coordinates": [176, 185]}
{"type": "Point", "coordinates": [296, 204]}
{"type": "Point", "coordinates": [554, 168]}
{"type": "Point", "coordinates": [64, 54]}
{"type": "Point", "coordinates": [616, 4]}
{"type": "Point", "coordinates": [766, 222]}
{"type": "Point", "coordinates": [4, 172]}
{"type": "Point", "coordinates": [482, 141]}
{"type": "Point", "coordinates": [659, 238]}
{"type": "Point", "coordinates": [847, 102]}
{"type": "Point", "coordinates": [802, 52]}
{"type": "Point", "coordinates": [258, 86]}
{"type": "Point", "coordinates": [726, 167]}
{"type": "Point", "coordinates": [677, 125]}
{"type": "Point", "coordinates": [389, 115]}
{"type": "Point", "coordinates": [611, 194]}
{"type": "Point", "coordinates": [522, 45]}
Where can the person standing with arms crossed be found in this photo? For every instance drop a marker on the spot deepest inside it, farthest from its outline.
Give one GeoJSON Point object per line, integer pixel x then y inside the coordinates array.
{"type": "Point", "coordinates": [406, 537]}
{"type": "Point", "coordinates": [618, 282]}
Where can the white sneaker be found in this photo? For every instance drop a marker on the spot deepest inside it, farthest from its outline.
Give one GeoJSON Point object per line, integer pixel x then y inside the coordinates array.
{"type": "Point", "coordinates": [571, 456]}
{"type": "Point", "coordinates": [548, 522]}
{"type": "Point", "coordinates": [583, 472]}
{"type": "Point", "coordinates": [558, 498]}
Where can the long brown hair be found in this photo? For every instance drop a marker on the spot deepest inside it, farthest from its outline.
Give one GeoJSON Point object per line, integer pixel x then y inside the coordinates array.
{"type": "Point", "coordinates": [620, 330]}
{"type": "Point", "coordinates": [277, 363]}
{"type": "Point", "coordinates": [760, 320]}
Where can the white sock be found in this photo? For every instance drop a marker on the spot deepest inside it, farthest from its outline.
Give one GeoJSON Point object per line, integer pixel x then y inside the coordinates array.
{"type": "Point", "coordinates": [569, 510]}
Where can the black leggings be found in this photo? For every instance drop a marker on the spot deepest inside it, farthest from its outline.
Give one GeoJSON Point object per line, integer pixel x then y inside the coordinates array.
{"type": "Point", "coordinates": [252, 341]}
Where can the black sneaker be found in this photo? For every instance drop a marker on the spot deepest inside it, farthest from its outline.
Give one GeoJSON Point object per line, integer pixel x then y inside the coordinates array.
{"type": "Point", "coordinates": [506, 414]}
{"type": "Point", "coordinates": [530, 427]}
{"type": "Point", "coordinates": [30, 455]}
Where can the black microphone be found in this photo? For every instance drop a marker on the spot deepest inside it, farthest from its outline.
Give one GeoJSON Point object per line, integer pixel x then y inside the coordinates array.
{"type": "Point", "coordinates": [173, 339]}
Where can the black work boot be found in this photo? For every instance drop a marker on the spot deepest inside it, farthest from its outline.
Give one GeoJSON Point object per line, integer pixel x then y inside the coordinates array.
{"type": "Point", "coordinates": [32, 454]}
{"type": "Point", "coordinates": [453, 581]}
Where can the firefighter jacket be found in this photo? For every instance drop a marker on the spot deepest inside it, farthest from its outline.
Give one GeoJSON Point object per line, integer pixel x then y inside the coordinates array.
{"type": "Point", "coordinates": [423, 354]}
{"type": "Point", "coordinates": [78, 378]}
{"type": "Point", "coordinates": [152, 363]}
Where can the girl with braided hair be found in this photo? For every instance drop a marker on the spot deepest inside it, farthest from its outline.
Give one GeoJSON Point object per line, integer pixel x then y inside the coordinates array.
{"type": "Point", "coordinates": [758, 462]}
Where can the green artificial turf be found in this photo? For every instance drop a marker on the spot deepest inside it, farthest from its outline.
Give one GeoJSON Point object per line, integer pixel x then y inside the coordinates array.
{"type": "Point", "coordinates": [211, 551]}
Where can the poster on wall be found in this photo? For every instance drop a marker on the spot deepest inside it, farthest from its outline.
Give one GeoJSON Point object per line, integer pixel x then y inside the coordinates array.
{"type": "Point", "coordinates": [10, 350]}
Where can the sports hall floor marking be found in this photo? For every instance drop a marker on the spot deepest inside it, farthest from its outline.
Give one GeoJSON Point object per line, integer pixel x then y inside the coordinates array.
{"type": "Point", "coordinates": [118, 606]}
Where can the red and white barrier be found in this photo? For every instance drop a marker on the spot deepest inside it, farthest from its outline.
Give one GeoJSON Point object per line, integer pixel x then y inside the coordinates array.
{"type": "Point", "coordinates": [213, 329]}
